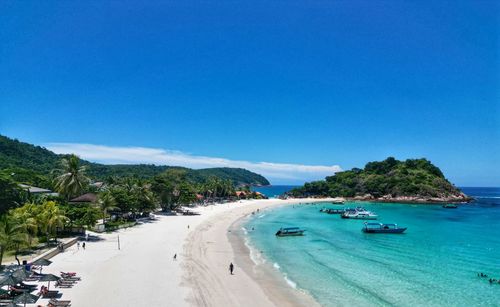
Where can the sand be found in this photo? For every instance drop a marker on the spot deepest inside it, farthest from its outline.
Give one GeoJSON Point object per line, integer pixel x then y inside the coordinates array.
{"type": "Point", "coordinates": [143, 272]}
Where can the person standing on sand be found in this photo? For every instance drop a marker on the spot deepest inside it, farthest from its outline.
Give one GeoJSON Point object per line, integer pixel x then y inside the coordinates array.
{"type": "Point", "coordinates": [83, 245]}
{"type": "Point", "coordinates": [78, 245]}
{"type": "Point", "coordinates": [175, 257]}
{"type": "Point", "coordinates": [231, 268]}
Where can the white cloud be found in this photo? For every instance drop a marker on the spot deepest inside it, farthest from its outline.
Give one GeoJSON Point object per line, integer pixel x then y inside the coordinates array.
{"type": "Point", "coordinates": [275, 172]}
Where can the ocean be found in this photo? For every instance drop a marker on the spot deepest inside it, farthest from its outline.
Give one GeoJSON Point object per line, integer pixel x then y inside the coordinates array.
{"type": "Point", "coordinates": [434, 263]}
{"type": "Point", "coordinates": [273, 191]}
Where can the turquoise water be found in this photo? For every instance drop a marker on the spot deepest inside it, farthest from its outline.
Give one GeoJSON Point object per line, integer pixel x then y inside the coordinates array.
{"type": "Point", "coordinates": [434, 263]}
{"type": "Point", "coordinates": [273, 191]}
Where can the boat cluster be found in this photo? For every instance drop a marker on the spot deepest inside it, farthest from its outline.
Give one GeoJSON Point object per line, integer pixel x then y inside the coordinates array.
{"type": "Point", "coordinates": [360, 213]}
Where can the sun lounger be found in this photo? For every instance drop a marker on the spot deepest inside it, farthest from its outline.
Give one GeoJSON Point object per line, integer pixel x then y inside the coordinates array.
{"type": "Point", "coordinates": [58, 303]}
{"type": "Point", "coordinates": [67, 277]}
{"type": "Point", "coordinates": [50, 294]}
{"type": "Point", "coordinates": [69, 273]}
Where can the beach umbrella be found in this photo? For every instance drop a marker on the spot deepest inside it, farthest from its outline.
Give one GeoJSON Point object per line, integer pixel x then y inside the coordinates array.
{"type": "Point", "coordinates": [26, 298]}
{"type": "Point", "coordinates": [49, 278]}
{"type": "Point", "coordinates": [42, 262]}
{"type": "Point", "coordinates": [20, 274]}
{"type": "Point", "coordinates": [8, 280]}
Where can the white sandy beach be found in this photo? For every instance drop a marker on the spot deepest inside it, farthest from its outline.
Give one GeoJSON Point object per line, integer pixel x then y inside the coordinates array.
{"type": "Point", "coordinates": [143, 272]}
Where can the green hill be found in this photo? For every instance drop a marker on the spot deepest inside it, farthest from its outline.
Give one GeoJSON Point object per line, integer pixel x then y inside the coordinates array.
{"type": "Point", "coordinates": [35, 165]}
{"type": "Point", "coordinates": [389, 180]}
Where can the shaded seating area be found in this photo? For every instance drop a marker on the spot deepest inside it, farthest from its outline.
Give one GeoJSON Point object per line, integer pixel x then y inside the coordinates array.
{"type": "Point", "coordinates": [21, 285]}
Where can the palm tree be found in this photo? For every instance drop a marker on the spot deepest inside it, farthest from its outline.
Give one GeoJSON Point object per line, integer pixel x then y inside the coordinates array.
{"type": "Point", "coordinates": [73, 180]}
{"type": "Point", "coordinates": [11, 234]}
{"type": "Point", "coordinates": [51, 218]}
{"type": "Point", "coordinates": [25, 216]}
{"type": "Point", "coordinates": [106, 202]}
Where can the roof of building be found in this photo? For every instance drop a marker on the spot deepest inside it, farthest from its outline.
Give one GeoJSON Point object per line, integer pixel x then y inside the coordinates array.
{"type": "Point", "coordinates": [33, 189]}
{"type": "Point", "coordinates": [85, 198]}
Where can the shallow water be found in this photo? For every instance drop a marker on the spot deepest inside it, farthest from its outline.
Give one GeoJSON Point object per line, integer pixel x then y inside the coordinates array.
{"type": "Point", "coordinates": [434, 263]}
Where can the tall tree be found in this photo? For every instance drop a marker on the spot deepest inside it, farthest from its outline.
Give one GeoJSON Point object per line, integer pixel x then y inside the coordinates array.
{"type": "Point", "coordinates": [11, 235]}
{"type": "Point", "coordinates": [50, 218]}
{"type": "Point", "coordinates": [106, 202]}
{"type": "Point", "coordinates": [25, 217]}
{"type": "Point", "coordinates": [10, 193]}
{"type": "Point", "coordinates": [73, 180]}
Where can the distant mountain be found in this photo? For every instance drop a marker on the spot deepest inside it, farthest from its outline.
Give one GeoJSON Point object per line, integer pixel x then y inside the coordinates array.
{"type": "Point", "coordinates": [35, 165]}
{"type": "Point", "coordinates": [413, 180]}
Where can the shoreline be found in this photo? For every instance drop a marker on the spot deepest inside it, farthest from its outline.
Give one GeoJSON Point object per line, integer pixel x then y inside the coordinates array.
{"type": "Point", "coordinates": [217, 242]}
{"type": "Point", "coordinates": [272, 281]}
{"type": "Point", "coordinates": [142, 272]}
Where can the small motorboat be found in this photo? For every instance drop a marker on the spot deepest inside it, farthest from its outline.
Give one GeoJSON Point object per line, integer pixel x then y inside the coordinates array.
{"type": "Point", "coordinates": [382, 228]}
{"type": "Point", "coordinates": [450, 206]}
{"type": "Point", "coordinates": [359, 215]}
{"type": "Point", "coordinates": [332, 211]}
{"type": "Point", "coordinates": [290, 232]}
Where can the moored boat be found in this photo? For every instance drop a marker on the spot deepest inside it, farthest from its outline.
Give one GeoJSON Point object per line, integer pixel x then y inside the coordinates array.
{"type": "Point", "coordinates": [290, 232]}
{"type": "Point", "coordinates": [359, 214]}
{"type": "Point", "coordinates": [332, 211]}
{"type": "Point", "coordinates": [382, 228]}
{"type": "Point", "coordinates": [450, 206]}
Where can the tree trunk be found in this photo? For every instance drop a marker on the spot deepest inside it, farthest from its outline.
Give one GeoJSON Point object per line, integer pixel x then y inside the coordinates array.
{"type": "Point", "coordinates": [1, 256]}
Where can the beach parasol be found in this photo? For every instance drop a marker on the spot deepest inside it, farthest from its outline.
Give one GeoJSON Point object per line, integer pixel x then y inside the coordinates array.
{"type": "Point", "coordinates": [49, 278]}
{"type": "Point", "coordinates": [8, 280]}
{"type": "Point", "coordinates": [20, 274]}
{"type": "Point", "coordinates": [26, 298]}
{"type": "Point", "coordinates": [42, 262]}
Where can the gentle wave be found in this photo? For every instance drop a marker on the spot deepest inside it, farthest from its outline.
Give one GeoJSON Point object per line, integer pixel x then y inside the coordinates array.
{"type": "Point", "coordinates": [290, 282]}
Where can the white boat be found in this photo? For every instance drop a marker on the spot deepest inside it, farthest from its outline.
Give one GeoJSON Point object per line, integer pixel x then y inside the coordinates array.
{"type": "Point", "coordinates": [359, 215]}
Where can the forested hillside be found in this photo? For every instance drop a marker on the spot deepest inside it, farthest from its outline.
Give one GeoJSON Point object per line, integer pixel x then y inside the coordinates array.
{"type": "Point", "coordinates": [413, 179]}
{"type": "Point", "coordinates": [34, 165]}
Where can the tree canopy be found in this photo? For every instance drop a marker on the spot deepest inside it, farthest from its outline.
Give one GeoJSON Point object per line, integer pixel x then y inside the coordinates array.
{"type": "Point", "coordinates": [413, 177]}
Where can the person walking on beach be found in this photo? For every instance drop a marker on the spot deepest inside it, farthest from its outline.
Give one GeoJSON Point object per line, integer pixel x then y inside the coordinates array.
{"type": "Point", "coordinates": [231, 268]}
{"type": "Point", "coordinates": [83, 245]}
{"type": "Point", "coordinates": [78, 245]}
{"type": "Point", "coordinates": [175, 257]}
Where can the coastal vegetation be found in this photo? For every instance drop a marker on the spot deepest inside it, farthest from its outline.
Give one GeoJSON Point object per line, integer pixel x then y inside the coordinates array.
{"type": "Point", "coordinates": [391, 179]}
{"type": "Point", "coordinates": [35, 165]}
{"type": "Point", "coordinates": [86, 194]}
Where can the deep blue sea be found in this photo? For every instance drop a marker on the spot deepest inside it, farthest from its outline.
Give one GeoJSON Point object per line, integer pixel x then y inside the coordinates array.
{"type": "Point", "coordinates": [273, 191]}
{"type": "Point", "coordinates": [435, 263]}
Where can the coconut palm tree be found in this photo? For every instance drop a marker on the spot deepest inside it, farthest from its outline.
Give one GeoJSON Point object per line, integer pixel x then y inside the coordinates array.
{"type": "Point", "coordinates": [11, 235]}
{"type": "Point", "coordinates": [73, 180]}
{"type": "Point", "coordinates": [106, 202]}
{"type": "Point", "coordinates": [51, 218]}
{"type": "Point", "coordinates": [25, 217]}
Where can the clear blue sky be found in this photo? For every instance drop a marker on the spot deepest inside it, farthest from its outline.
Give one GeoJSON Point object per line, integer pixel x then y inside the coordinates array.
{"type": "Point", "coordinates": [298, 82]}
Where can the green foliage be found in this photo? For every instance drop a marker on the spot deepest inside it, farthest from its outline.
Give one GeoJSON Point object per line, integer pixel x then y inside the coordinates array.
{"type": "Point", "coordinates": [34, 166]}
{"type": "Point", "coordinates": [72, 181]}
{"type": "Point", "coordinates": [11, 194]}
{"type": "Point", "coordinates": [413, 177]}
{"type": "Point", "coordinates": [81, 214]}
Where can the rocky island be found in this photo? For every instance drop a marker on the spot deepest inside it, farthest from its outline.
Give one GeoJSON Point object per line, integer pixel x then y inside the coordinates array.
{"type": "Point", "coordinates": [391, 180]}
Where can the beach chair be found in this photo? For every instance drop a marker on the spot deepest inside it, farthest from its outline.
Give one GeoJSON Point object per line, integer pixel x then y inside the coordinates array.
{"type": "Point", "coordinates": [60, 284]}
{"type": "Point", "coordinates": [50, 294]}
{"type": "Point", "coordinates": [70, 277]}
{"type": "Point", "coordinates": [58, 303]}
